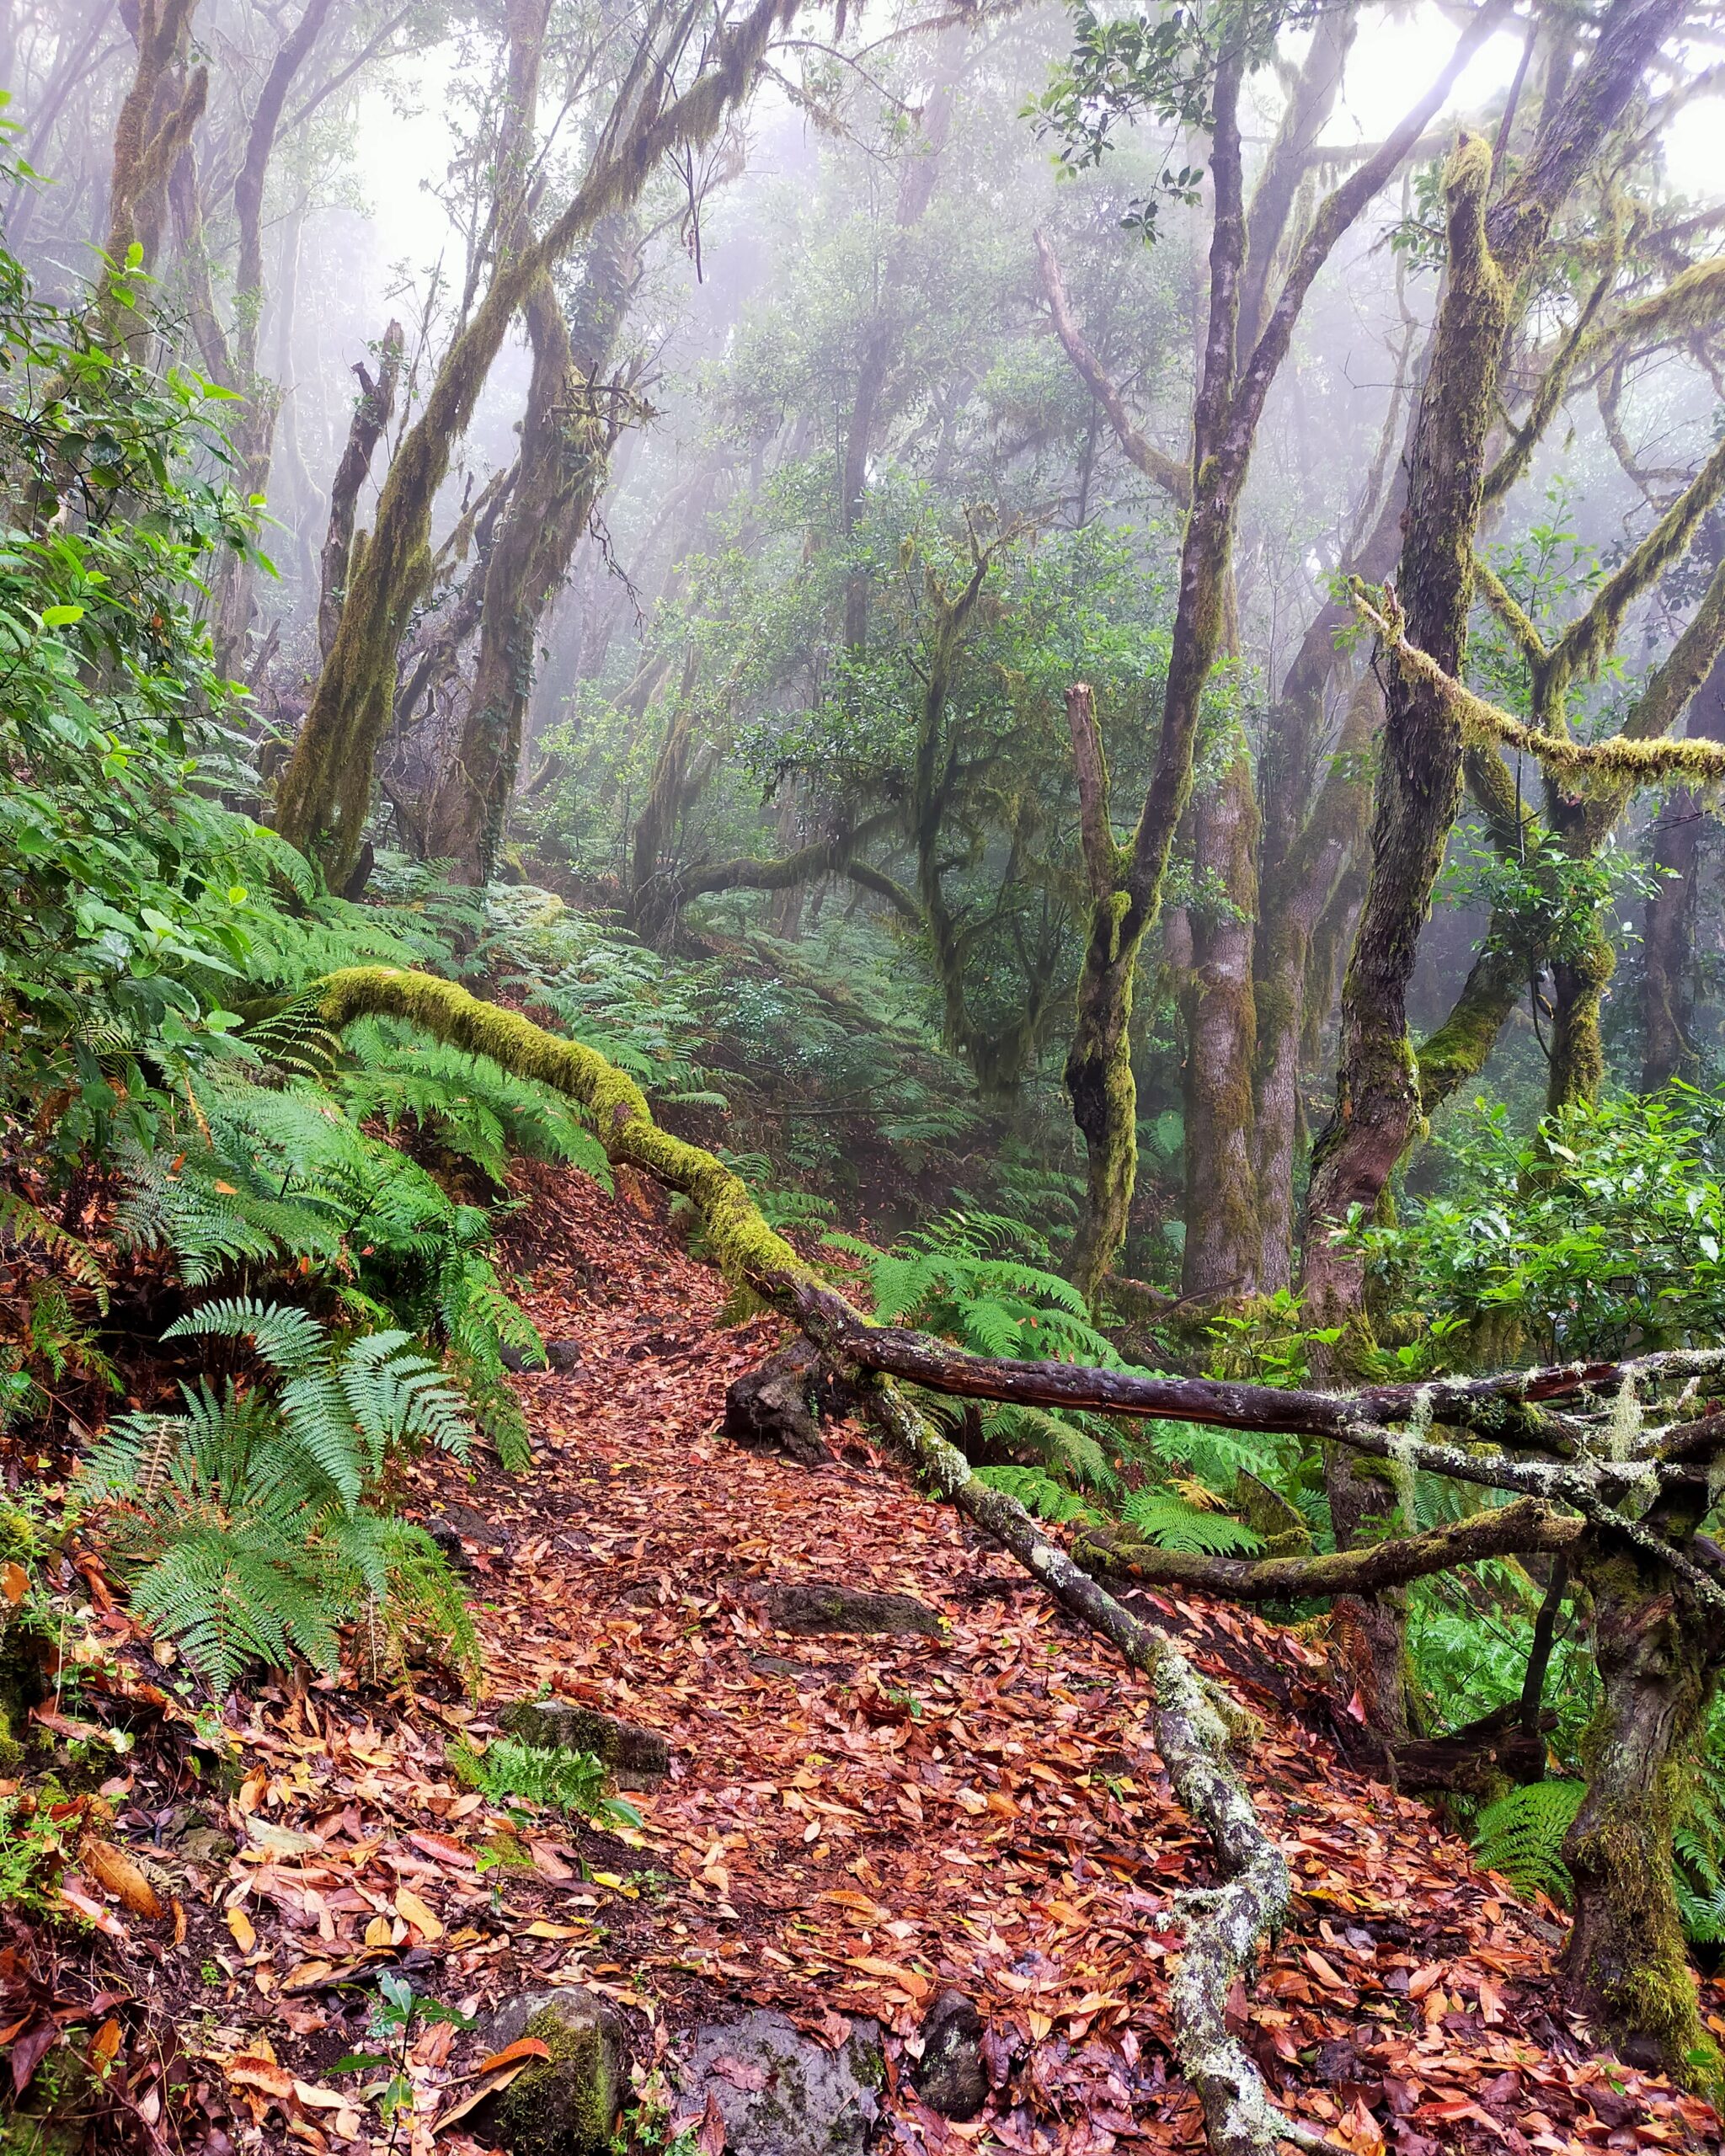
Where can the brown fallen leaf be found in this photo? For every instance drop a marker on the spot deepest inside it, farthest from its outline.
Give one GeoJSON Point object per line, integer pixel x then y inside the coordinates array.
{"type": "Point", "coordinates": [412, 1910]}
{"type": "Point", "coordinates": [249, 2071]}
{"type": "Point", "coordinates": [245, 1933]}
{"type": "Point", "coordinates": [740, 2073]}
{"type": "Point", "coordinates": [523, 2048]}
{"type": "Point", "coordinates": [84, 1904]}
{"type": "Point", "coordinates": [117, 1874]}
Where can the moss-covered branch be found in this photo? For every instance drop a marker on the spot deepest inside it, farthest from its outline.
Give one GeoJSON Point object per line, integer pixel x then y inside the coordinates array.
{"type": "Point", "coordinates": [1517, 1530]}
{"type": "Point", "coordinates": [1623, 758]}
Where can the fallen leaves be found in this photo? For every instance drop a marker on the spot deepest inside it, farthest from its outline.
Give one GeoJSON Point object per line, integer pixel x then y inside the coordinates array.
{"type": "Point", "coordinates": [857, 1824]}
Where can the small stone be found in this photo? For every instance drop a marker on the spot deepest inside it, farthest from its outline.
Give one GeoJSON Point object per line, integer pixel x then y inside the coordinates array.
{"type": "Point", "coordinates": [207, 1845]}
{"type": "Point", "coordinates": [826, 1606]}
{"type": "Point", "coordinates": [951, 2078]}
{"type": "Point", "coordinates": [454, 1524]}
{"type": "Point", "coordinates": [638, 1758]}
{"type": "Point", "coordinates": [561, 1355]}
{"type": "Point", "coordinates": [779, 2092]}
{"type": "Point", "coordinates": [567, 2104]}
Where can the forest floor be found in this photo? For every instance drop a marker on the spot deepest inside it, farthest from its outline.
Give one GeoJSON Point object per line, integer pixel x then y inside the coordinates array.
{"type": "Point", "coordinates": [851, 1824]}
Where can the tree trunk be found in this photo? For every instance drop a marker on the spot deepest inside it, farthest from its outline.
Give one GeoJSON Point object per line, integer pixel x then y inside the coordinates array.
{"type": "Point", "coordinates": [1667, 936]}
{"type": "Point", "coordinates": [571, 420]}
{"type": "Point", "coordinates": [1625, 1967]}
{"type": "Point", "coordinates": [1419, 779]}
{"type": "Point", "coordinates": [1297, 896]}
{"type": "Point", "coordinates": [325, 795]}
{"type": "Point", "coordinates": [1577, 1077]}
{"type": "Point", "coordinates": [1222, 1040]}
{"type": "Point", "coordinates": [371, 416]}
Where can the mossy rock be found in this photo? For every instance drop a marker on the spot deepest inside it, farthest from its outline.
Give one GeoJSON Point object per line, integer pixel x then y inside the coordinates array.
{"type": "Point", "coordinates": [812, 1606]}
{"type": "Point", "coordinates": [951, 2077]}
{"type": "Point", "coordinates": [1267, 1512]}
{"type": "Point", "coordinates": [568, 2104]}
{"type": "Point", "coordinates": [638, 1758]}
{"type": "Point", "coordinates": [779, 2092]}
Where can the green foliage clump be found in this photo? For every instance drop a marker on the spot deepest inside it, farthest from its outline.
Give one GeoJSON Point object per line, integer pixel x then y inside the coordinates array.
{"type": "Point", "coordinates": [1599, 1232]}
{"type": "Point", "coordinates": [242, 1523]}
{"type": "Point", "coordinates": [1521, 1835]}
{"type": "Point", "coordinates": [964, 1276]}
{"type": "Point", "coordinates": [547, 1776]}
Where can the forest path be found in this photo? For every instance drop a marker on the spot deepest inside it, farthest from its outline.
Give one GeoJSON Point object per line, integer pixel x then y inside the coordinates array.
{"type": "Point", "coordinates": [855, 1823]}
{"type": "Point", "coordinates": [852, 1824]}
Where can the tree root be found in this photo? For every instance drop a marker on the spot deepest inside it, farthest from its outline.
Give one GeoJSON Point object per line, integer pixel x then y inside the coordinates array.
{"type": "Point", "coordinates": [1224, 1924]}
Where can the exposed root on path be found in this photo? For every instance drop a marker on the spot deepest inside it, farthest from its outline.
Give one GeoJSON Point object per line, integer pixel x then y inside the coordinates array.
{"type": "Point", "coordinates": [1192, 1724]}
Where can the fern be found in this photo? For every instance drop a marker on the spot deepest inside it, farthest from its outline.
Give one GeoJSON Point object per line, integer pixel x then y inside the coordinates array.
{"type": "Point", "coordinates": [1039, 1493]}
{"type": "Point", "coordinates": [1521, 1836]}
{"type": "Point", "coordinates": [1059, 1443]}
{"type": "Point", "coordinates": [470, 1105]}
{"type": "Point", "coordinates": [21, 1222]}
{"type": "Point", "coordinates": [284, 1178]}
{"type": "Point", "coordinates": [963, 1277]}
{"type": "Point", "coordinates": [240, 1522]}
{"type": "Point", "coordinates": [1171, 1521]}
{"type": "Point", "coordinates": [571, 1782]}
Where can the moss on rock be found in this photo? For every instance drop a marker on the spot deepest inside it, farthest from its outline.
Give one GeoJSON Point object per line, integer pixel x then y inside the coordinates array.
{"type": "Point", "coordinates": [567, 2104]}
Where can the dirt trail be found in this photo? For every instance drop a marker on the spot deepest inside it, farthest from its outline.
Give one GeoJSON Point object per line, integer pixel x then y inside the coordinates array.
{"type": "Point", "coordinates": [857, 1823]}
{"type": "Point", "coordinates": [853, 1824]}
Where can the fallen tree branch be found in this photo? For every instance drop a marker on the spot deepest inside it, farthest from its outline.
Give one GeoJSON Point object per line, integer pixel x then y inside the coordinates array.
{"type": "Point", "coordinates": [1506, 1407]}
{"type": "Point", "coordinates": [1225, 1925]}
{"type": "Point", "coordinates": [1518, 1529]}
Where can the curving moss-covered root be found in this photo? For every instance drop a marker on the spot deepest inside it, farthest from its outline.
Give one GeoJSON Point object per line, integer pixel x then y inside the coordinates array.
{"type": "Point", "coordinates": [1194, 1723]}
{"type": "Point", "coordinates": [1195, 1726]}
{"type": "Point", "coordinates": [749, 1252]}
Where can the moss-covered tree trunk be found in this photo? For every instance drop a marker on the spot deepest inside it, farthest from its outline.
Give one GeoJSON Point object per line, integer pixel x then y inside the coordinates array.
{"type": "Point", "coordinates": [1625, 1967]}
{"type": "Point", "coordinates": [1221, 1248]}
{"type": "Point", "coordinates": [1298, 890]}
{"type": "Point", "coordinates": [571, 422]}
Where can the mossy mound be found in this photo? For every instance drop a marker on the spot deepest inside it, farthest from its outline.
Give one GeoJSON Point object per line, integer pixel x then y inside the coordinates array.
{"type": "Point", "coordinates": [568, 2104]}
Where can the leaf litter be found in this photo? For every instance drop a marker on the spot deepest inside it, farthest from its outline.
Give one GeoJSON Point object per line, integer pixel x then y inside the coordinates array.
{"type": "Point", "coordinates": [850, 1826]}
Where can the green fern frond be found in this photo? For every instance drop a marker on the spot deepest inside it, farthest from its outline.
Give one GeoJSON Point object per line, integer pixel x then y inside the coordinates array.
{"type": "Point", "coordinates": [1039, 1494]}
{"type": "Point", "coordinates": [290, 1341]}
{"type": "Point", "coordinates": [510, 1771]}
{"type": "Point", "coordinates": [1521, 1835]}
{"type": "Point", "coordinates": [1172, 1523]}
{"type": "Point", "coordinates": [22, 1222]}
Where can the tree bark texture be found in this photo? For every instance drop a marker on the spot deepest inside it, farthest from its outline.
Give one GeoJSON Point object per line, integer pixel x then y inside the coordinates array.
{"type": "Point", "coordinates": [571, 424]}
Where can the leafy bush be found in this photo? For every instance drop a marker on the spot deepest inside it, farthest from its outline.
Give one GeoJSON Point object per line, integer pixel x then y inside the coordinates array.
{"type": "Point", "coordinates": [1602, 1232]}
{"type": "Point", "coordinates": [241, 1523]}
